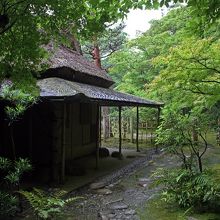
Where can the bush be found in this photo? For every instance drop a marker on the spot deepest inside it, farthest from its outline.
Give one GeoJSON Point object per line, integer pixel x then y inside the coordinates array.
{"type": "Point", "coordinates": [10, 175]}
{"type": "Point", "coordinates": [8, 204]}
{"type": "Point", "coordinates": [190, 189]}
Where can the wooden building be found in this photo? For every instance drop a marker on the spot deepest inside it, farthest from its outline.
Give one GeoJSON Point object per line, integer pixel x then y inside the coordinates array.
{"type": "Point", "coordinates": [64, 124]}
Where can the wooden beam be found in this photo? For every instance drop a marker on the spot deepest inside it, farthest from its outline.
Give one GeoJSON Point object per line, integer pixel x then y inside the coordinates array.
{"type": "Point", "coordinates": [98, 137]}
{"type": "Point", "coordinates": [137, 131]}
{"type": "Point", "coordinates": [63, 150]}
{"type": "Point", "coordinates": [119, 128]}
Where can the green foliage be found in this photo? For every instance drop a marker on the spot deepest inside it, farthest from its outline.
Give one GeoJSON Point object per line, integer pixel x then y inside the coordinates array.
{"type": "Point", "coordinates": [10, 173]}
{"type": "Point", "coordinates": [8, 204]}
{"type": "Point", "coordinates": [13, 170]}
{"type": "Point", "coordinates": [133, 65]}
{"type": "Point", "coordinates": [19, 100]}
{"type": "Point", "coordinates": [46, 206]}
{"type": "Point", "coordinates": [184, 133]}
{"type": "Point", "coordinates": [189, 189]}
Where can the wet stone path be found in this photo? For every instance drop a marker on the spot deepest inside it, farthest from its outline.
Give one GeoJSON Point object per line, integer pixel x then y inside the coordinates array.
{"type": "Point", "coordinates": [119, 195]}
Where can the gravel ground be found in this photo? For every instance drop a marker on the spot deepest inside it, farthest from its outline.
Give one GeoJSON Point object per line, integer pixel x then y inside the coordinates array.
{"type": "Point", "coordinates": [121, 193]}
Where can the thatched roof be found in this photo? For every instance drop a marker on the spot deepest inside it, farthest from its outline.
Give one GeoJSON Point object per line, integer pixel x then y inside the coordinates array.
{"type": "Point", "coordinates": [56, 88]}
{"type": "Point", "coordinates": [69, 64]}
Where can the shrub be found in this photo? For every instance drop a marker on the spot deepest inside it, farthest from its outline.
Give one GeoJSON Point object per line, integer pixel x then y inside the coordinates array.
{"type": "Point", "coordinates": [190, 189]}
{"type": "Point", "coordinates": [8, 204]}
{"type": "Point", "coordinates": [11, 173]}
{"type": "Point", "coordinates": [46, 206]}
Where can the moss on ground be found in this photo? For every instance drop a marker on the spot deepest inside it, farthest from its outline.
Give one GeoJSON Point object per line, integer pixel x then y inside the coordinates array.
{"type": "Point", "coordinates": [157, 209]}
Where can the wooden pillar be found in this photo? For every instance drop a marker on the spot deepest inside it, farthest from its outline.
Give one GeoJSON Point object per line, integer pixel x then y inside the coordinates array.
{"type": "Point", "coordinates": [158, 123]}
{"type": "Point", "coordinates": [100, 126]}
{"type": "Point", "coordinates": [119, 128]}
{"type": "Point", "coordinates": [131, 129]}
{"type": "Point", "coordinates": [98, 137]}
{"type": "Point", "coordinates": [146, 132]}
{"type": "Point", "coordinates": [63, 150]}
{"type": "Point", "coordinates": [137, 131]}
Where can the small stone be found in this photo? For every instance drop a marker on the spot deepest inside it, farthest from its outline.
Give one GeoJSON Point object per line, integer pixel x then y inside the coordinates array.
{"type": "Point", "coordinates": [111, 215]}
{"type": "Point", "coordinates": [119, 207]}
{"type": "Point", "coordinates": [191, 218]}
{"type": "Point", "coordinates": [151, 162]}
{"type": "Point", "coordinates": [103, 216]}
{"type": "Point", "coordinates": [119, 217]}
{"type": "Point", "coordinates": [143, 180]}
{"type": "Point", "coordinates": [111, 185]}
{"type": "Point", "coordinates": [130, 212]}
{"type": "Point", "coordinates": [142, 184]}
{"type": "Point", "coordinates": [97, 185]}
{"type": "Point", "coordinates": [104, 191]}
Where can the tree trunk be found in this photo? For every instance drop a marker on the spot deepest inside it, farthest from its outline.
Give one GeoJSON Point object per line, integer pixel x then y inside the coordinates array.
{"type": "Point", "coordinates": [195, 136]}
{"type": "Point", "coordinates": [200, 164]}
{"type": "Point", "coordinates": [105, 110]}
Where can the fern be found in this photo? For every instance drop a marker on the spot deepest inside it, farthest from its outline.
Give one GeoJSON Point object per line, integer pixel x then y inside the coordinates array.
{"type": "Point", "coordinates": [46, 206]}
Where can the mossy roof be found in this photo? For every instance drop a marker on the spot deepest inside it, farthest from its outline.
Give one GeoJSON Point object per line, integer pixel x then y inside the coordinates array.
{"type": "Point", "coordinates": [57, 88]}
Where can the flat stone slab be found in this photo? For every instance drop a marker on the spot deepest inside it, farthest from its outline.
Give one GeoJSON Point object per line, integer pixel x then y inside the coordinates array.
{"type": "Point", "coordinates": [145, 180]}
{"type": "Point", "coordinates": [130, 212]}
{"type": "Point", "coordinates": [97, 185]}
{"type": "Point", "coordinates": [191, 218]}
{"type": "Point", "coordinates": [104, 191]}
{"type": "Point", "coordinates": [119, 207]}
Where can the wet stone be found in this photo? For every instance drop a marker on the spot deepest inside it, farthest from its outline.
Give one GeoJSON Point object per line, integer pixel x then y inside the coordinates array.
{"type": "Point", "coordinates": [103, 215]}
{"type": "Point", "coordinates": [191, 218]}
{"type": "Point", "coordinates": [119, 207]}
{"type": "Point", "coordinates": [143, 180]}
{"type": "Point", "coordinates": [130, 212]}
{"type": "Point", "coordinates": [111, 216]}
{"type": "Point", "coordinates": [97, 185]}
{"type": "Point", "coordinates": [104, 191]}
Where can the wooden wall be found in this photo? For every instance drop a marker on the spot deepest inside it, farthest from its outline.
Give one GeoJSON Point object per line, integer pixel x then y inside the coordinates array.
{"type": "Point", "coordinates": [39, 136]}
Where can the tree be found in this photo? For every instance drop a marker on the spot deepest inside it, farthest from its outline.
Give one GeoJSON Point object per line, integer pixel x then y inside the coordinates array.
{"type": "Point", "coordinates": [132, 66]}
{"type": "Point", "coordinates": [109, 41]}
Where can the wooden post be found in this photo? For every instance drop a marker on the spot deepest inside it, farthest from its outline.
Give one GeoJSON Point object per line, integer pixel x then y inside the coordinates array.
{"type": "Point", "coordinates": [63, 150]}
{"type": "Point", "coordinates": [137, 131]}
{"type": "Point", "coordinates": [98, 137]}
{"type": "Point", "coordinates": [119, 128]}
{"type": "Point", "coordinates": [158, 123]}
{"type": "Point", "coordinates": [100, 126]}
{"type": "Point", "coordinates": [131, 129]}
{"type": "Point", "coordinates": [146, 132]}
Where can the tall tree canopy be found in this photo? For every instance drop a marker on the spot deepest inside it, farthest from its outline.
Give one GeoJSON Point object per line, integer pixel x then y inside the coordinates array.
{"type": "Point", "coordinates": [26, 25]}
